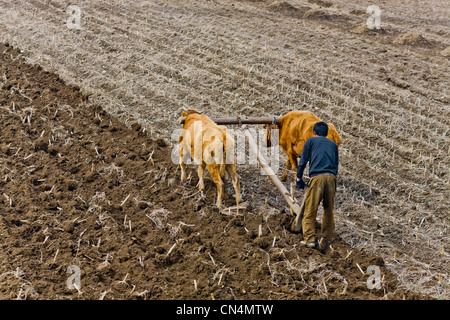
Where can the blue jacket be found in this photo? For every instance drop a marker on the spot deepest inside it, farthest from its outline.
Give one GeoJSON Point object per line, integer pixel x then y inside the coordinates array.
{"type": "Point", "coordinates": [322, 154]}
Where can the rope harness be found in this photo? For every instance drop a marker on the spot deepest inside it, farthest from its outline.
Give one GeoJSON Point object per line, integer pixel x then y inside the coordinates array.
{"type": "Point", "coordinates": [269, 131]}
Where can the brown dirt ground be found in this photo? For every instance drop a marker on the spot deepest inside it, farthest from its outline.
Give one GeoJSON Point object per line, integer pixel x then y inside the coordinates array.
{"type": "Point", "coordinates": [78, 187]}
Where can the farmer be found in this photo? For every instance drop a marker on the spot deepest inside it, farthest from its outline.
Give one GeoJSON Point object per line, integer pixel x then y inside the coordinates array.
{"type": "Point", "coordinates": [323, 157]}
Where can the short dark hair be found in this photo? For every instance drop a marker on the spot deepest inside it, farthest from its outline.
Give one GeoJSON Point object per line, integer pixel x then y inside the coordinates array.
{"type": "Point", "coordinates": [321, 128]}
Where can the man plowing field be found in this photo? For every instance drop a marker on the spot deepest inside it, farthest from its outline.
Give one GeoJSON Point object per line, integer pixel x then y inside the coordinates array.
{"type": "Point", "coordinates": [323, 157]}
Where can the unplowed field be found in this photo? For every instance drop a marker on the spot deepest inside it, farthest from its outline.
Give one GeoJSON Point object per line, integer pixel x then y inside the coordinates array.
{"type": "Point", "coordinates": [86, 176]}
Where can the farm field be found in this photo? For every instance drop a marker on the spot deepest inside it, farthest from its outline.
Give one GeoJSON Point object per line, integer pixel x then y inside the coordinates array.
{"type": "Point", "coordinates": [86, 176]}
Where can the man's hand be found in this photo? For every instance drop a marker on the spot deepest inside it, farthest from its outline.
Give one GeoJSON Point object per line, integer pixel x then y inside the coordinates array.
{"type": "Point", "coordinates": [299, 183]}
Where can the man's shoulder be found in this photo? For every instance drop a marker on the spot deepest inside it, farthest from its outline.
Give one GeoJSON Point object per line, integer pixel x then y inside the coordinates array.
{"type": "Point", "coordinates": [314, 138]}
{"type": "Point", "coordinates": [318, 139]}
{"type": "Point", "coordinates": [321, 140]}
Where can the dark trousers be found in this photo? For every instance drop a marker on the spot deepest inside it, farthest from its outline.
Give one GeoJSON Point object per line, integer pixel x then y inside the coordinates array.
{"type": "Point", "coordinates": [320, 188]}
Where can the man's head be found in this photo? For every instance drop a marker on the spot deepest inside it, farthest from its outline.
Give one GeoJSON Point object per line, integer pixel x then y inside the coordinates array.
{"type": "Point", "coordinates": [321, 129]}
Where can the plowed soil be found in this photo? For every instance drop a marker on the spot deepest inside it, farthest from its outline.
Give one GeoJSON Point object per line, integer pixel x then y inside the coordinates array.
{"type": "Point", "coordinates": [80, 188]}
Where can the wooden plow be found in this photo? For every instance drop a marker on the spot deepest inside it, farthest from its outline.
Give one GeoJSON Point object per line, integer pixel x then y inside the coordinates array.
{"type": "Point", "coordinates": [296, 209]}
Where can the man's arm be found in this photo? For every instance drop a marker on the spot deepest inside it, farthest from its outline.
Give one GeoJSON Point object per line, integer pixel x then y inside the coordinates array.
{"type": "Point", "coordinates": [337, 159]}
{"type": "Point", "coordinates": [303, 160]}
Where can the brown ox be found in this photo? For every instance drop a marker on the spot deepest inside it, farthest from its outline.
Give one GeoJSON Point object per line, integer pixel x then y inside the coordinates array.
{"type": "Point", "coordinates": [209, 145]}
{"type": "Point", "coordinates": [295, 128]}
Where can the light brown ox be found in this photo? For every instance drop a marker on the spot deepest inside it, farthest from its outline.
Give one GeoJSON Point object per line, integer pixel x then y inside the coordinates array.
{"type": "Point", "coordinates": [208, 144]}
{"type": "Point", "coordinates": [295, 128]}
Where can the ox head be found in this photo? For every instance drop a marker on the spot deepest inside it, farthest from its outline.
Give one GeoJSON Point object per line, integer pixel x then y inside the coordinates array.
{"type": "Point", "coordinates": [186, 112]}
{"type": "Point", "coordinates": [267, 141]}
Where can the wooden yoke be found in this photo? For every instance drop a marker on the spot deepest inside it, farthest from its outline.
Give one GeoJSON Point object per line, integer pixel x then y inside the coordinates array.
{"type": "Point", "coordinates": [239, 120]}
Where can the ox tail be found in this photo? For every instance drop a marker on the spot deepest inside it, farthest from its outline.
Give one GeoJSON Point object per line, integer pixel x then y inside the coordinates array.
{"type": "Point", "coordinates": [222, 164]}
{"type": "Point", "coordinates": [222, 167]}
{"type": "Point", "coordinates": [229, 151]}
{"type": "Point", "coordinates": [215, 151]}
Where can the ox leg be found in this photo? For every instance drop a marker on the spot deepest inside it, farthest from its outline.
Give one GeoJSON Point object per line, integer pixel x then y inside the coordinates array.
{"type": "Point", "coordinates": [231, 170]}
{"type": "Point", "coordinates": [183, 168]}
{"type": "Point", "coordinates": [284, 175]}
{"type": "Point", "coordinates": [293, 161]}
{"type": "Point", "coordinates": [219, 183]}
{"type": "Point", "coordinates": [201, 176]}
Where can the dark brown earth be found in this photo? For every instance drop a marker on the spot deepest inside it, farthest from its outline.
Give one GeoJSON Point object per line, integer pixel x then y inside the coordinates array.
{"type": "Point", "coordinates": [78, 187]}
